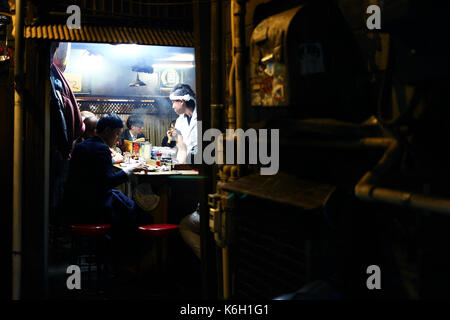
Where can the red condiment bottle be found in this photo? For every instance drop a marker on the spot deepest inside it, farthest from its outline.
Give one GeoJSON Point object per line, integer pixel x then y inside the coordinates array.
{"type": "Point", "coordinates": [158, 159]}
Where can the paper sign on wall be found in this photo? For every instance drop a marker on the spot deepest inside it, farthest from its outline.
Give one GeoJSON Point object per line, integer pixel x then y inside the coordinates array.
{"type": "Point", "coordinates": [74, 81]}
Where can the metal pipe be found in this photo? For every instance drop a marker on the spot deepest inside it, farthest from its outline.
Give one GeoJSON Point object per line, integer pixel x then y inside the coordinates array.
{"type": "Point", "coordinates": [366, 188]}
{"type": "Point", "coordinates": [369, 192]}
{"type": "Point", "coordinates": [215, 59]}
{"type": "Point", "coordinates": [226, 273]}
{"type": "Point", "coordinates": [360, 143]}
{"type": "Point", "coordinates": [216, 71]}
{"type": "Point", "coordinates": [239, 76]}
{"type": "Point", "coordinates": [234, 115]}
{"type": "Point", "coordinates": [216, 110]}
{"type": "Point", "coordinates": [231, 114]}
{"type": "Point", "coordinates": [369, 128]}
{"type": "Point", "coordinates": [17, 153]}
{"type": "Point", "coordinates": [238, 13]}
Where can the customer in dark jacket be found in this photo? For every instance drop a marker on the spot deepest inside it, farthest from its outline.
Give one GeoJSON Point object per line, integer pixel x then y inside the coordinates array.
{"type": "Point", "coordinates": [91, 178]}
{"type": "Point", "coordinates": [89, 195]}
{"type": "Point", "coordinates": [168, 141]}
{"type": "Point", "coordinates": [134, 132]}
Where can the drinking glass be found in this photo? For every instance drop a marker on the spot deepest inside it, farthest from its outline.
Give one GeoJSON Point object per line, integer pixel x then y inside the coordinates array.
{"type": "Point", "coordinates": [127, 157]}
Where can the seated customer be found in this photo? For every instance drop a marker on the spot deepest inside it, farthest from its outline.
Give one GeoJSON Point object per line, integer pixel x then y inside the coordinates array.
{"type": "Point", "coordinates": [89, 195]}
{"type": "Point", "coordinates": [134, 132]}
{"type": "Point", "coordinates": [90, 123]}
{"type": "Point", "coordinates": [116, 155]}
{"type": "Point", "coordinates": [86, 114]}
{"type": "Point", "coordinates": [168, 140]}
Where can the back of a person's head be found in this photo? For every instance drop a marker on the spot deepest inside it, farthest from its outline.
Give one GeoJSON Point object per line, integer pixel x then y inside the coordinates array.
{"type": "Point", "coordinates": [91, 122]}
{"type": "Point", "coordinates": [110, 120]}
{"type": "Point", "coordinates": [92, 118]}
{"type": "Point", "coordinates": [86, 114]}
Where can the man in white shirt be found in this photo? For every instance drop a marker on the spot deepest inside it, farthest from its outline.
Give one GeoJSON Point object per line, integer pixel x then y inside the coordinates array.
{"type": "Point", "coordinates": [184, 104]}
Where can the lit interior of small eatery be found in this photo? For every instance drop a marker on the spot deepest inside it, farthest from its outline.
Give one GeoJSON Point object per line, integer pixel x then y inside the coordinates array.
{"type": "Point", "coordinates": [115, 215]}
{"type": "Point", "coordinates": [129, 79]}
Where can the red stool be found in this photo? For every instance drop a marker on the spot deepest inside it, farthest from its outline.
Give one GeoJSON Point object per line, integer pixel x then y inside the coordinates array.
{"type": "Point", "coordinates": [95, 236]}
{"type": "Point", "coordinates": [157, 232]}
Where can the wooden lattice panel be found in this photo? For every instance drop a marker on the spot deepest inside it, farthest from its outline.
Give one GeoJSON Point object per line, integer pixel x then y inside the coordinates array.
{"type": "Point", "coordinates": [102, 107]}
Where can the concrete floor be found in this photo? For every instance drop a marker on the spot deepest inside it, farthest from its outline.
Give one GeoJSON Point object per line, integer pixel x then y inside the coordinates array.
{"type": "Point", "coordinates": [179, 281]}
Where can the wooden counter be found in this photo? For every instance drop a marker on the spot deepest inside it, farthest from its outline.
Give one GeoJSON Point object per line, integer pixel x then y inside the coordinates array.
{"type": "Point", "coordinates": [158, 179]}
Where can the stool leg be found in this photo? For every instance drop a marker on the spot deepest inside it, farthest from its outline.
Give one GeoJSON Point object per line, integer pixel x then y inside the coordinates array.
{"type": "Point", "coordinates": [155, 257]}
{"type": "Point", "coordinates": [138, 261]}
{"type": "Point", "coordinates": [72, 251]}
{"type": "Point", "coordinates": [145, 250]}
{"type": "Point", "coordinates": [158, 257]}
{"type": "Point", "coordinates": [99, 259]}
{"type": "Point", "coordinates": [89, 257]}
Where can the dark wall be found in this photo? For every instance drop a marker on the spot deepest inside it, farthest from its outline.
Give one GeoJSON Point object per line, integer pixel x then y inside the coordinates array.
{"type": "Point", "coordinates": [6, 174]}
{"type": "Point", "coordinates": [35, 173]}
{"type": "Point", "coordinates": [407, 74]}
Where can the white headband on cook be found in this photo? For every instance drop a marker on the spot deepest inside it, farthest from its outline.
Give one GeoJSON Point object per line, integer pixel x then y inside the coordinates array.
{"type": "Point", "coordinates": [186, 97]}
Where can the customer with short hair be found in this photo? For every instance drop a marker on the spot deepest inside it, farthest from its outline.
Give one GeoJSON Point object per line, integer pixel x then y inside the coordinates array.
{"type": "Point", "coordinates": [90, 124]}
{"type": "Point", "coordinates": [134, 132]}
{"type": "Point", "coordinates": [90, 197]}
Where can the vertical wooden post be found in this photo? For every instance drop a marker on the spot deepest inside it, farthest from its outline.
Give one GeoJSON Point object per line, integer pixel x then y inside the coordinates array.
{"type": "Point", "coordinates": [202, 38]}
